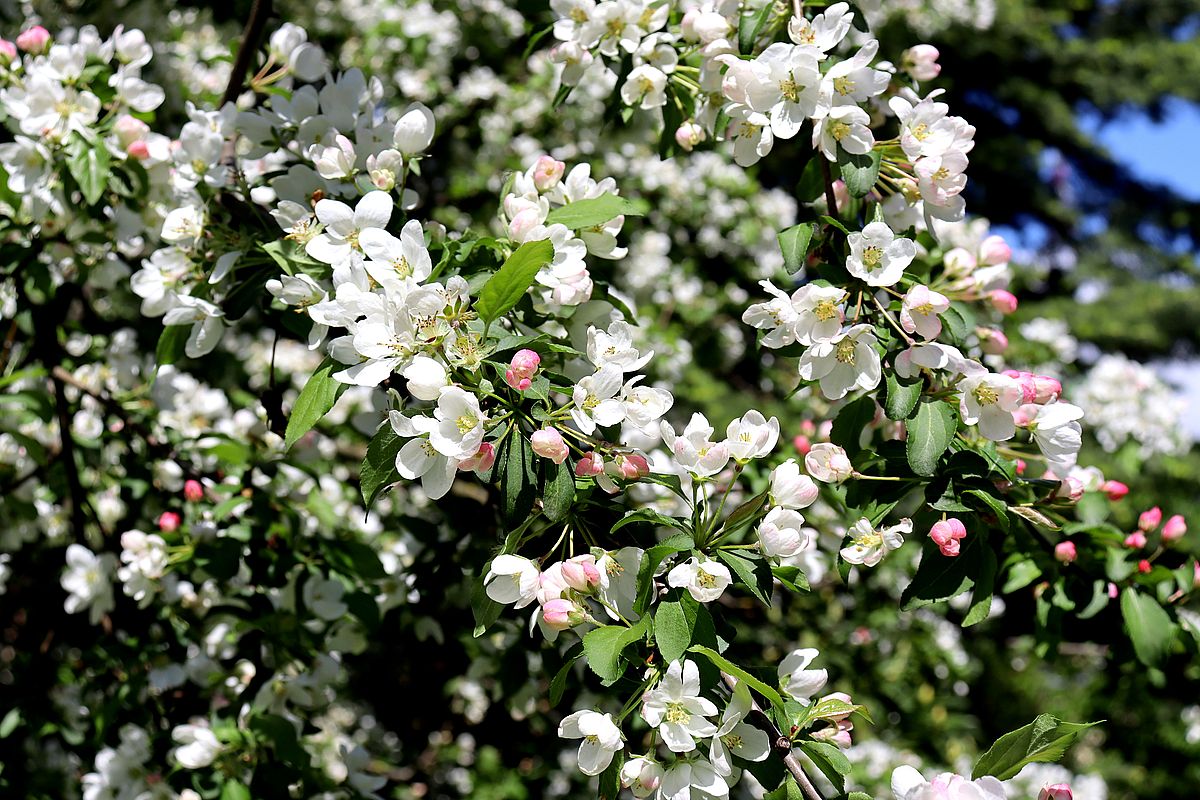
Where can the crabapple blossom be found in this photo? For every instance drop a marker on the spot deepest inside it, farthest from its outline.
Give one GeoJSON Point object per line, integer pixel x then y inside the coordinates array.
{"type": "Point", "coordinates": [1058, 434]}
{"type": "Point", "coordinates": [989, 400]}
{"type": "Point", "coordinates": [946, 534]}
{"type": "Point", "coordinates": [414, 130]}
{"type": "Point", "coordinates": [561, 614]}
{"type": "Point", "coordinates": [920, 311]}
{"type": "Point", "coordinates": [482, 461]}
{"type": "Point", "coordinates": [601, 739]}
{"type": "Point", "coordinates": [752, 436]}
{"type": "Point", "coordinates": [642, 776]}
{"type": "Point", "coordinates": [868, 546]}
{"type": "Point", "coordinates": [87, 582]}
{"type": "Point", "coordinates": [694, 448]}
{"type": "Point", "coordinates": [828, 463]}
{"type": "Point", "coordinates": [879, 257]}
{"type": "Point", "coordinates": [782, 533]}
{"type": "Point", "coordinates": [1056, 791]}
{"type": "Point", "coordinates": [735, 736]}
{"type": "Point", "coordinates": [1150, 519]}
{"type": "Point", "coordinates": [512, 579]}
{"type": "Point", "coordinates": [549, 443]}
{"type": "Point", "coordinates": [790, 488]}
{"type": "Point", "coordinates": [615, 348]}
{"type": "Point", "coordinates": [811, 314]}
{"type": "Point", "coordinates": [705, 580]}
{"type": "Point", "coordinates": [907, 784]}
{"type": "Point", "coordinates": [35, 40]}
{"type": "Point", "coordinates": [581, 573]}
{"type": "Point", "coordinates": [689, 134]}
{"type": "Point", "coordinates": [193, 491]}
{"type": "Point", "coordinates": [425, 378]}
{"type": "Point", "coordinates": [1003, 301]}
{"type": "Point", "coordinates": [844, 126]}
{"type": "Point", "coordinates": [168, 521]}
{"type": "Point", "coordinates": [343, 226]}
{"type": "Point", "coordinates": [845, 362]}
{"type": "Point", "coordinates": [795, 677]}
{"type": "Point", "coordinates": [1115, 490]}
{"type": "Point", "coordinates": [645, 87]}
{"type": "Point", "coordinates": [675, 707]}
{"type": "Point", "coordinates": [1065, 552]}
{"type": "Point", "coordinates": [1135, 540]}
{"type": "Point", "coordinates": [920, 61]}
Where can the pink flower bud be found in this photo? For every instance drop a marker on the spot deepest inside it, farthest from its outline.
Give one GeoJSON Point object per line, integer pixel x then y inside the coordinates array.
{"type": "Point", "coordinates": [920, 61]}
{"type": "Point", "coordinates": [802, 444]}
{"type": "Point", "coordinates": [992, 341]}
{"type": "Point", "coordinates": [688, 135]}
{"type": "Point", "coordinates": [828, 463]}
{"type": "Point", "coordinates": [1024, 415]}
{"type": "Point", "coordinates": [590, 465]}
{"type": "Point", "coordinates": [519, 374]}
{"type": "Point", "coordinates": [547, 172]}
{"type": "Point", "coordinates": [1112, 591]}
{"type": "Point", "coordinates": [581, 574]}
{"type": "Point", "coordinates": [1065, 552]}
{"type": "Point", "coordinates": [525, 221]}
{"type": "Point", "coordinates": [1021, 466]}
{"type": "Point", "coordinates": [193, 491]}
{"type": "Point", "coordinates": [562, 614]}
{"type": "Point", "coordinates": [994, 250]}
{"type": "Point", "coordinates": [1144, 566]}
{"type": "Point", "coordinates": [168, 521]}
{"type": "Point", "coordinates": [1003, 301]}
{"type": "Point", "coordinates": [482, 461]}
{"type": "Point", "coordinates": [1056, 791]}
{"type": "Point", "coordinates": [1115, 490]}
{"type": "Point", "coordinates": [946, 534]}
{"type": "Point", "coordinates": [548, 443]}
{"type": "Point", "coordinates": [1149, 520]}
{"type": "Point", "coordinates": [138, 150]}
{"type": "Point", "coordinates": [8, 52]}
{"type": "Point", "coordinates": [632, 467]}
{"type": "Point", "coordinates": [36, 40]}
{"type": "Point", "coordinates": [1174, 529]}
{"type": "Point", "coordinates": [1045, 389]}
{"type": "Point", "coordinates": [1135, 540]}
{"type": "Point", "coordinates": [1070, 489]}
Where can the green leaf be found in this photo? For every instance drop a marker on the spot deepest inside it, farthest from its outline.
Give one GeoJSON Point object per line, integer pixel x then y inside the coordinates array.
{"type": "Point", "coordinates": [860, 171]}
{"type": "Point", "coordinates": [755, 574]}
{"type": "Point", "coordinates": [940, 577]}
{"type": "Point", "coordinates": [89, 165]}
{"type": "Point", "coordinates": [170, 344]}
{"type": "Point", "coordinates": [792, 578]}
{"type": "Point", "coordinates": [985, 584]}
{"type": "Point", "coordinates": [929, 434]}
{"type": "Point", "coordinates": [519, 482]}
{"type": "Point", "coordinates": [485, 610]}
{"type": "Point", "coordinates": [10, 722]}
{"type": "Point", "coordinates": [234, 790]}
{"type": "Point", "coordinates": [746, 512]}
{"type": "Point", "coordinates": [603, 648]}
{"type": "Point", "coordinates": [1042, 741]}
{"type": "Point", "coordinates": [850, 422]}
{"type": "Point", "coordinates": [829, 760]}
{"type": "Point", "coordinates": [506, 288]}
{"type": "Point", "coordinates": [650, 517]}
{"type": "Point", "coordinates": [728, 667]}
{"type": "Point", "coordinates": [378, 470]}
{"type": "Point", "coordinates": [794, 243]}
{"type": "Point", "coordinates": [559, 684]}
{"type": "Point", "coordinates": [559, 491]}
{"type": "Point", "coordinates": [675, 624]}
{"type": "Point", "coordinates": [610, 779]}
{"type": "Point", "coordinates": [1149, 626]}
{"type": "Point", "coordinates": [788, 790]}
{"type": "Point", "coordinates": [650, 561]}
{"type": "Point", "coordinates": [593, 211]}
{"type": "Point", "coordinates": [316, 398]}
{"type": "Point", "coordinates": [281, 734]}
{"type": "Point", "coordinates": [901, 397]}
{"type": "Point", "coordinates": [751, 25]}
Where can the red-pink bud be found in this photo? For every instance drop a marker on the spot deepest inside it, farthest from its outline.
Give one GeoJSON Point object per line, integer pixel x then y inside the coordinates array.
{"type": "Point", "coordinates": [168, 521]}
{"type": "Point", "coordinates": [633, 466]}
{"type": "Point", "coordinates": [1112, 591]}
{"type": "Point", "coordinates": [803, 444]}
{"type": "Point", "coordinates": [1135, 540]}
{"type": "Point", "coordinates": [8, 52]}
{"type": "Point", "coordinates": [138, 149]}
{"type": "Point", "coordinates": [1003, 301]}
{"type": "Point", "coordinates": [1056, 791]}
{"type": "Point", "coordinates": [992, 341]}
{"type": "Point", "coordinates": [946, 534]}
{"type": "Point", "coordinates": [1149, 520]}
{"type": "Point", "coordinates": [519, 374]}
{"type": "Point", "coordinates": [561, 614]}
{"type": "Point", "coordinates": [591, 464]}
{"type": "Point", "coordinates": [1021, 466]}
{"type": "Point", "coordinates": [482, 461]}
{"type": "Point", "coordinates": [1115, 490]}
{"type": "Point", "coordinates": [1065, 552]}
{"type": "Point", "coordinates": [580, 573]}
{"type": "Point", "coordinates": [1070, 489]}
{"type": "Point", "coordinates": [994, 250]}
{"type": "Point", "coordinates": [36, 40]}
{"type": "Point", "coordinates": [1144, 566]}
{"type": "Point", "coordinates": [1174, 528]}
{"type": "Point", "coordinates": [548, 443]}
{"type": "Point", "coordinates": [193, 491]}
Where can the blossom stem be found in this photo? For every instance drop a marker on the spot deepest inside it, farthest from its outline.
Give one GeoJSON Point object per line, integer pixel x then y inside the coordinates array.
{"type": "Point", "coordinates": [892, 322]}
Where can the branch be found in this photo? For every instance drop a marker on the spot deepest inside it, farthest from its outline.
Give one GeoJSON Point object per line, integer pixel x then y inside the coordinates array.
{"type": "Point", "coordinates": [781, 744]}
{"type": "Point", "coordinates": [827, 177]}
{"type": "Point", "coordinates": [251, 38]}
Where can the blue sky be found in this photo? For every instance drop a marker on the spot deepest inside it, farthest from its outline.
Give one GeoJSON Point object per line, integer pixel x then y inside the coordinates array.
{"type": "Point", "coordinates": [1163, 151]}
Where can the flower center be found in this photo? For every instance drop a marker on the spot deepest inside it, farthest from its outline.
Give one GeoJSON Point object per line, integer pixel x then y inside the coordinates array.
{"type": "Point", "coordinates": [986, 395]}
{"type": "Point", "coordinates": [678, 713]}
{"type": "Point", "coordinates": [789, 89]}
{"type": "Point", "coordinates": [466, 423]}
{"type": "Point", "coordinates": [942, 174]}
{"type": "Point", "coordinates": [844, 351]}
{"type": "Point", "coordinates": [920, 131]}
{"type": "Point", "coordinates": [872, 255]}
{"type": "Point", "coordinates": [578, 14]}
{"type": "Point", "coordinates": [924, 309]}
{"type": "Point", "coordinates": [401, 266]}
{"type": "Point", "coordinates": [843, 85]}
{"type": "Point", "coordinates": [705, 580]}
{"type": "Point", "coordinates": [731, 741]}
{"type": "Point", "coordinates": [839, 130]}
{"type": "Point", "coordinates": [747, 129]}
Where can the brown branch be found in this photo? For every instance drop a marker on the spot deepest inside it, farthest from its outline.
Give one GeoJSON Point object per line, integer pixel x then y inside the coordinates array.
{"type": "Point", "coordinates": [251, 38]}
{"type": "Point", "coordinates": [779, 743]}
{"type": "Point", "coordinates": [827, 177]}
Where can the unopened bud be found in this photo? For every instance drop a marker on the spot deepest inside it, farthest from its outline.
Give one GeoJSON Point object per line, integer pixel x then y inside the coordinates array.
{"type": "Point", "coordinates": [1149, 520]}
{"type": "Point", "coordinates": [1174, 529]}
{"type": "Point", "coordinates": [168, 521]}
{"type": "Point", "coordinates": [1003, 301]}
{"type": "Point", "coordinates": [193, 491]}
{"type": "Point", "coordinates": [1065, 552]}
{"type": "Point", "coordinates": [35, 41]}
{"type": "Point", "coordinates": [548, 443]}
{"type": "Point", "coordinates": [1115, 490]}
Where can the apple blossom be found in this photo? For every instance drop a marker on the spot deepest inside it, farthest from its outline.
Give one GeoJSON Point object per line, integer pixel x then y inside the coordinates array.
{"type": "Point", "coordinates": [790, 488]}
{"type": "Point", "coordinates": [811, 314]}
{"type": "Point", "coordinates": [414, 130]}
{"type": "Point", "coordinates": [878, 256]}
{"type": "Point", "coordinates": [1151, 519]}
{"type": "Point", "coordinates": [847, 361]}
{"type": "Point", "coordinates": [781, 533]}
{"type": "Point", "coordinates": [34, 40]}
{"type": "Point", "coordinates": [675, 707]}
{"type": "Point", "coordinates": [521, 369]}
{"type": "Point", "coordinates": [795, 677]}
{"type": "Point", "coordinates": [919, 314]}
{"type": "Point", "coordinates": [482, 461]}
{"type": "Point", "coordinates": [549, 443]}
{"type": "Point", "coordinates": [1056, 791]}
{"type": "Point", "coordinates": [193, 491]}
{"type": "Point", "coordinates": [704, 580]}
{"type": "Point", "coordinates": [642, 776]}
{"type": "Point", "coordinates": [1003, 301]}
{"type": "Point", "coordinates": [512, 579]}
{"type": "Point", "coordinates": [601, 739]}
{"type": "Point", "coordinates": [752, 436]}
{"type": "Point", "coordinates": [589, 465]}
{"type": "Point", "coordinates": [734, 736]}
{"type": "Point", "coordinates": [989, 400]}
{"type": "Point", "coordinates": [1065, 552]}
{"type": "Point", "coordinates": [168, 521]}
{"type": "Point", "coordinates": [907, 784]}
{"type": "Point", "coordinates": [868, 546]}
{"type": "Point", "coordinates": [425, 378]}
{"type": "Point", "coordinates": [688, 135]}
{"type": "Point", "coordinates": [920, 61]}
{"type": "Point", "coordinates": [561, 614]}
{"type": "Point", "coordinates": [946, 534]}
{"type": "Point", "coordinates": [693, 779]}
{"type": "Point", "coordinates": [1115, 490]}
{"type": "Point", "coordinates": [694, 448]}
{"type": "Point", "coordinates": [828, 463]}
{"type": "Point", "coordinates": [581, 573]}
{"type": "Point", "coordinates": [198, 746]}
{"type": "Point", "coordinates": [1135, 540]}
